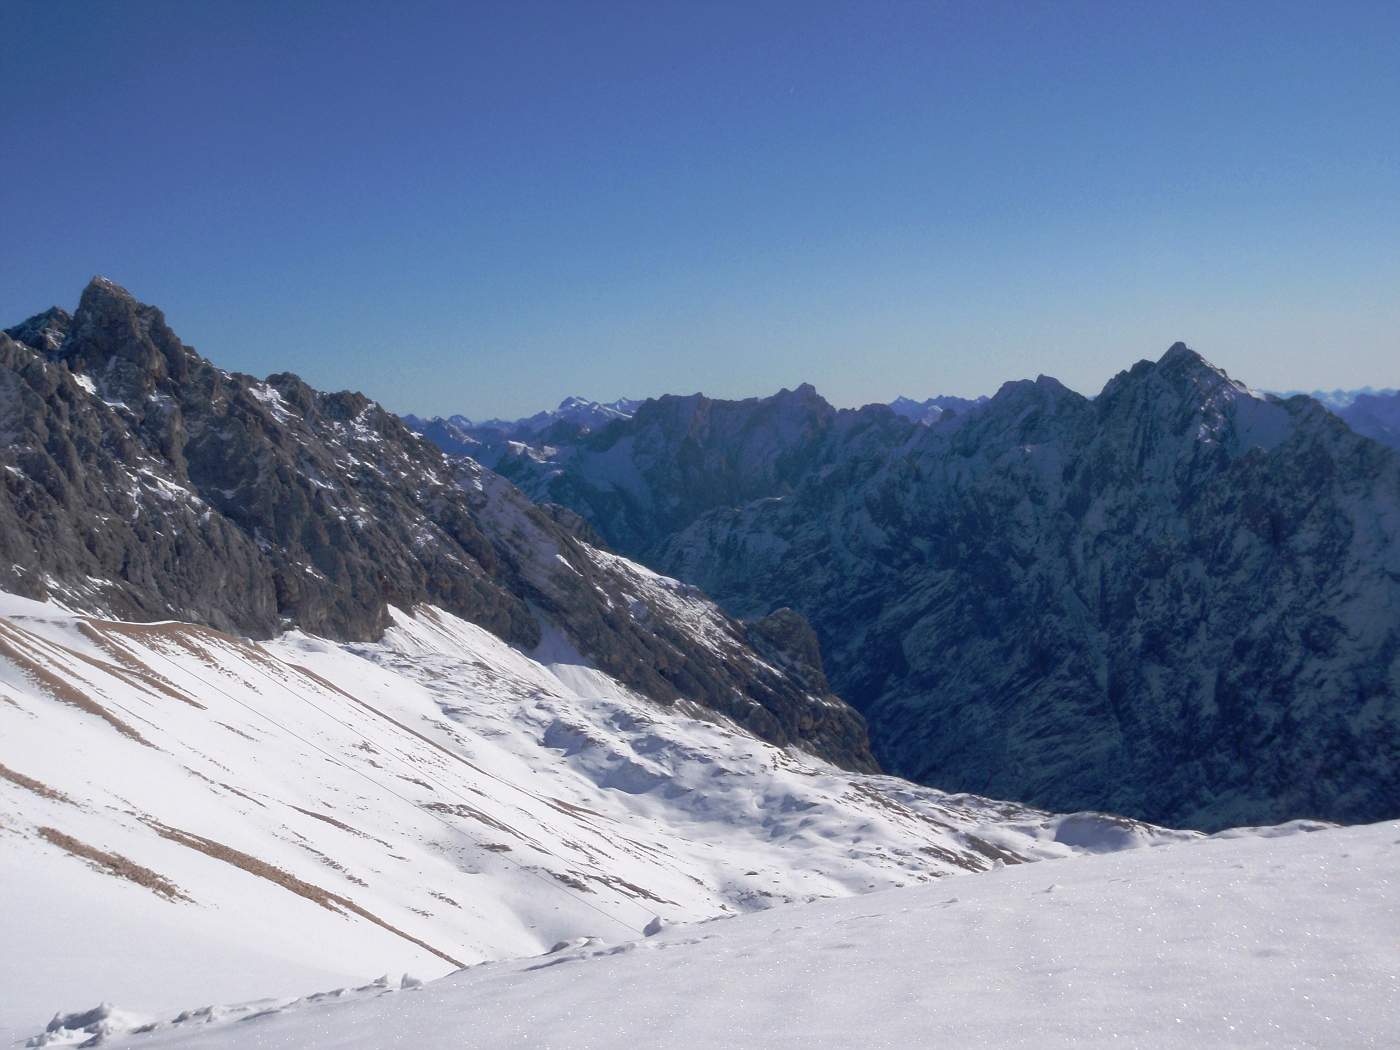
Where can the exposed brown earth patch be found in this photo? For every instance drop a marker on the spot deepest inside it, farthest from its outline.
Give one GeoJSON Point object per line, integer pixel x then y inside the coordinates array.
{"type": "Point", "coordinates": [263, 870]}
{"type": "Point", "coordinates": [30, 784]}
{"type": "Point", "coordinates": [95, 631]}
{"type": "Point", "coordinates": [56, 687]}
{"type": "Point", "coordinates": [114, 864]}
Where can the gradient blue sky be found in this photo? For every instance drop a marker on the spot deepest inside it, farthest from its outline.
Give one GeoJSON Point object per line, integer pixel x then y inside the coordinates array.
{"type": "Point", "coordinates": [483, 208]}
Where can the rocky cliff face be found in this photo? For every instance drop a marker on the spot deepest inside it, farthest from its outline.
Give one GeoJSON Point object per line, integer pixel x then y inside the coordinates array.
{"type": "Point", "coordinates": [141, 481]}
{"type": "Point", "coordinates": [1178, 600]}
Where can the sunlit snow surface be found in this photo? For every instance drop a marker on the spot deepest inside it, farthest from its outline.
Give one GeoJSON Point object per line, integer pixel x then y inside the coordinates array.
{"type": "Point", "coordinates": [186, 818]}
{"type": "Point", "coordinates": [1257, 940]}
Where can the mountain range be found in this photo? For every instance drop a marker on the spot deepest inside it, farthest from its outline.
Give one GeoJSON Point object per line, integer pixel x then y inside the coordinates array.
{"type": "Point", "coordinates": [289, 698]}
{"type": "Point", "coordinates": [1179, 599]}
{"type": "Point", "coordinates": [1176, 600]}
{"type": "Point", "coordinates": [290, 695]}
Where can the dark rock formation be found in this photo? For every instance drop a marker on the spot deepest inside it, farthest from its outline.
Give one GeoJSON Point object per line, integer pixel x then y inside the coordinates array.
{"type": "Point", "coordinates": [142, 482]}
{"type": "Point", "coordinates": [1178, 601]}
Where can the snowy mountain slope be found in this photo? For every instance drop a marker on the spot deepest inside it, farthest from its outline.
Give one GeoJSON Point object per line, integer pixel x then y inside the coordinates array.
{"type": "Point", "coordinates": [664, 638]}
{"type": "Point", "coordinates": [1267, 938]}
{"type": "Point", "coordinates": [187, 817]}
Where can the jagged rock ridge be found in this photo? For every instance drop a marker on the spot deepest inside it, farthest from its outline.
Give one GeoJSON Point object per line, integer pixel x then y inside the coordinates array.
{"type": "Point", "coordinates": [145, 483]}
{"type": "Point", "coordinates": [1178, 600]}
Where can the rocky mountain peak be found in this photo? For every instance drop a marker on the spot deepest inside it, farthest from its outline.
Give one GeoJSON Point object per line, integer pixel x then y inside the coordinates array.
{"type": "Point", "coordinates": [125, 343]}
{"type": "Point", "coordinates": [44, 332]}
{"type": "Point", "coordinates": [159, 487]}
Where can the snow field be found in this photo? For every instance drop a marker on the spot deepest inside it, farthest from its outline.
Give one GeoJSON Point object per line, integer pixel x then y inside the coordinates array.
{"type": "Point", "coordinates": [186, 818]}
{"type": "Point", "coordinates": [1253, 939]}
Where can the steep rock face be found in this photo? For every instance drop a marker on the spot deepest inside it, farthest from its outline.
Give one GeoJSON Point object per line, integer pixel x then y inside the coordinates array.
{"type": "Point", "coordinates": [1178, 600]}
{"type": "Point", "coordinates": [92, 517]}
{"type": "Point", "coordinates": [143, 482]}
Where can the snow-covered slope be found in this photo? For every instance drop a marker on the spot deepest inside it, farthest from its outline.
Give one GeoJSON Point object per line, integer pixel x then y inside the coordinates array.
{"type": "Point", "coordinates": [186, 817]}
{"type": "Point", "coordinates": [1262, 938]}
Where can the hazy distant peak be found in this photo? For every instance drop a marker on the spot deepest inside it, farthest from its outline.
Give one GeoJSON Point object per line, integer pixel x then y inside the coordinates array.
{"type": "Point", "coordinates": [1339, 399]}
{"type": "Point", "coordinates": [932, 410]}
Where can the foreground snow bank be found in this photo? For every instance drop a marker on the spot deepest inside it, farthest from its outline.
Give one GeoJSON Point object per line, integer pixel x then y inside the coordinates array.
{"type": "Point", "coordinates": [1258, 938]}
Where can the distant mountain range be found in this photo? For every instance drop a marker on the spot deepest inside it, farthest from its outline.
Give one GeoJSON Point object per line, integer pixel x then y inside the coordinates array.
{"type": "Point", "coordinates": [1336, 400]}
{"type": "Point", "coordinates": [1373, 413]}
{"type": "Point", "coordinates": [1178, 600]}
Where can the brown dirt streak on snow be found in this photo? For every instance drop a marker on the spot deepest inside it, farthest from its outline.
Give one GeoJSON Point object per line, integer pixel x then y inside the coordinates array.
{"type": "Point", "coordinates": [114, 864]}
{"type": "Point", "coordinates": [263, 870]}
{"type": "Point", "coordinates": [59, 689]}
{"type": "Point", "coordinates": [30, 784]}
{"type": "Point", "coordinates": [186, 636]}
{"type": "Point", "coordinates": [130, 667]}
{"type": "Point", "coordinates": [339, 824]}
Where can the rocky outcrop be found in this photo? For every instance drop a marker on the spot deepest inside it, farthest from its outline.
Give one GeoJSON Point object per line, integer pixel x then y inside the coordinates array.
{"type": "Point", "coordinates": [90, 516]}
{"type": "Point", "coordinates": [149, 483]}
{"type": "Point", "coordinates": [142, 482]}
{"type": "Point", "coordinates": [1177, 600]}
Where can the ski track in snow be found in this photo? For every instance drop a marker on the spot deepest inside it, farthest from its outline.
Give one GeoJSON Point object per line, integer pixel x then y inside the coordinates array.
{"type": "Point", "coordinates": [190, 818]}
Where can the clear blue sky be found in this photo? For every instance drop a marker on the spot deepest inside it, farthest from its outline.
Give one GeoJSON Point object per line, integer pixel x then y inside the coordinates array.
{"type": "Point", "coordinates": [483, 208]}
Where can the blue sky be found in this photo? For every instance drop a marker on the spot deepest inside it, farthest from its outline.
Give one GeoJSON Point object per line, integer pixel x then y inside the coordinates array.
{"type": "Point", "coordinates": [483, 208]}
